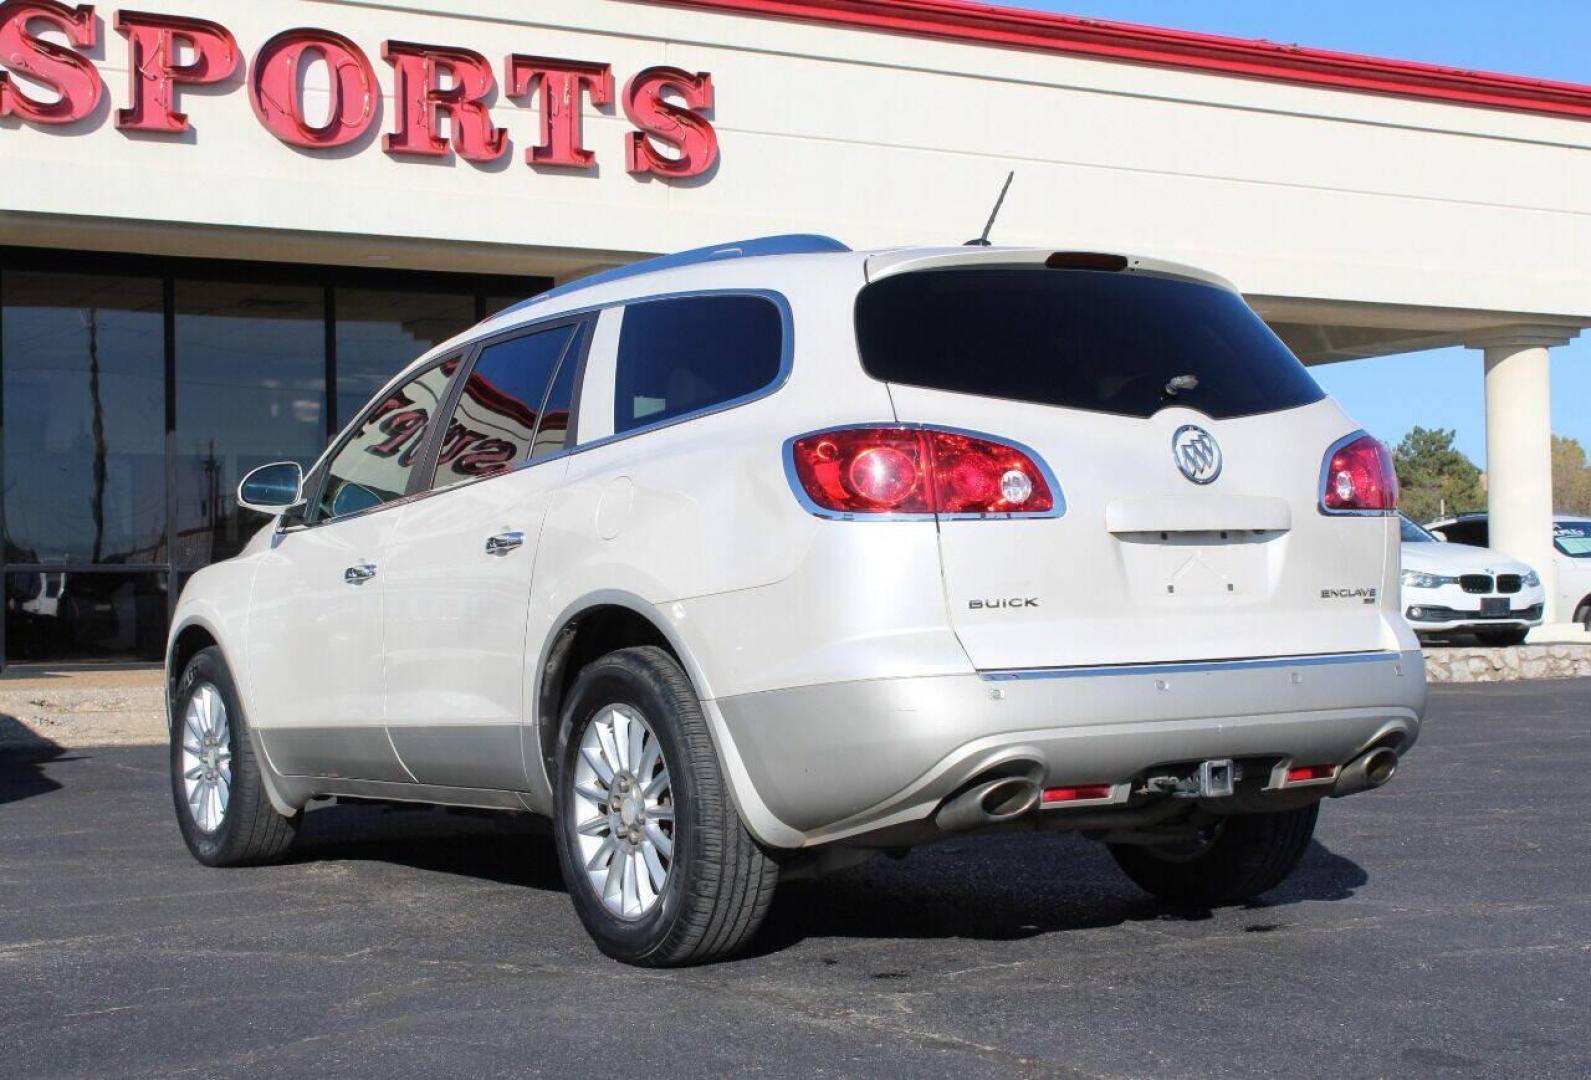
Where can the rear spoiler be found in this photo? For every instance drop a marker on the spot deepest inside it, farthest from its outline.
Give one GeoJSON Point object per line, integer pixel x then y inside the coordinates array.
{"type": "Point", "coordinates": [885, 264]}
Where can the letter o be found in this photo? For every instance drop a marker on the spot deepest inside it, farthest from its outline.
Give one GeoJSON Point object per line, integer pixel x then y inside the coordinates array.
{"type": "Point", "coordinates": [274, 88]}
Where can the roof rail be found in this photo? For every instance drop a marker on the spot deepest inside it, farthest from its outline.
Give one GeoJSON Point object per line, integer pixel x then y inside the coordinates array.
{"type": "Point", "coordinates": [789, 244]}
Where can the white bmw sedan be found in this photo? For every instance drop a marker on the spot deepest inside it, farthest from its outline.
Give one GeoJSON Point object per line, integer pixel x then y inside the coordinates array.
{"type": "Point", "coordinates": [1454, 588]}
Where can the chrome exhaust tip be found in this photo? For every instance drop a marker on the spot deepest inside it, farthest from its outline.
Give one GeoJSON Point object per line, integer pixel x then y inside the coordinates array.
{"type": "Point", "coordinates": [1366, 772]}
{"type": "Point", "coordinates": [1004, 798]}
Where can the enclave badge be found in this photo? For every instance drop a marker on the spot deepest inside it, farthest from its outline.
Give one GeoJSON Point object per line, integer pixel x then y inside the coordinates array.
{"type": "Point", "coordinates": [1197, 454]}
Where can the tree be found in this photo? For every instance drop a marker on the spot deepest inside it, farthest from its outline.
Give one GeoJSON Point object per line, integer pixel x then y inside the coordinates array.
{"type": "Point", "coordinates": [1434, 476]}
{"type": "Point", "coordinates": [1571, 477]}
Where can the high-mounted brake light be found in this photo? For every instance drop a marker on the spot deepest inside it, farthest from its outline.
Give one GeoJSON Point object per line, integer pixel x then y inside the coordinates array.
{"type": "Point", "coordinates": [1358, 478]}
{"type": "Point", "coordinates": [918, 471]}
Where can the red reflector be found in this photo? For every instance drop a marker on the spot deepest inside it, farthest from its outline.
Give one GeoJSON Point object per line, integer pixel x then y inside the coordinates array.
{"type": "Point", "coordinates": [1359, 476]}
{"type": "Point", "coordinates": [1298, 774]}
{"type": "Point", "coordinates": [1077, 794]}
{"type": "Point", "coordinates": [900, 470]}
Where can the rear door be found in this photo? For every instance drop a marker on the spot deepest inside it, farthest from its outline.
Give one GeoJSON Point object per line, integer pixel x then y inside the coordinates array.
{"type": "Point", "coordinates": [1188, 444]}
{"type": "Point", "coordinates": [458, 569]}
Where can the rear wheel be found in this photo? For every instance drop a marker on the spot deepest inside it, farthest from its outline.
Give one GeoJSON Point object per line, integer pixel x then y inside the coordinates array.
{"type": "Point", "coordinates": [659, 866]}
{"type": "Point", "coordinates": [1583, 615]}
{"type": "Point", "coordinates": [1235, 859]}
{"type": "Point", "coordinates": [1497, 638]}
{"type": "Point", "coordinates": [223, 811]}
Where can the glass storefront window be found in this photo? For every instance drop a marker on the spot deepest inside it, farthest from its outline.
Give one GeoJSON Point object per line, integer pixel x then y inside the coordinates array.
{"type": "Point", "coordinates": [68, 615]}
{"type": "Point", "coordinates": [251, 389]}
{"type": "Point", "coordinates": [380, 331]}
{"type": "Point", "coordinates": [85, 419]}
{"type": "Point", "coordinates": [109, 501]}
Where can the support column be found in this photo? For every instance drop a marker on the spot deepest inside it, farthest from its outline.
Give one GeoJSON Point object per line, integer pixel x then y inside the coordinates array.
{"type": "Point", "coordinates": [1519, 454]}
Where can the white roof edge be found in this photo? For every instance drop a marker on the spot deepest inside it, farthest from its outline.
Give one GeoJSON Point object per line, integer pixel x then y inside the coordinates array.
{"type": "Point", "coordinates": [882, 264]}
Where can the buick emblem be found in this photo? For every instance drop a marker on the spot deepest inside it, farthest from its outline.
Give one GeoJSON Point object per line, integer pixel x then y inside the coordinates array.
{"type": "Point", "coordinates": [1197, 453]}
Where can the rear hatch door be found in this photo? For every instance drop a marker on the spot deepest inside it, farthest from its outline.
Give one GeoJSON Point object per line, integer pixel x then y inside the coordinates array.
{"type": "Point", "coordinates": [1188, 445]}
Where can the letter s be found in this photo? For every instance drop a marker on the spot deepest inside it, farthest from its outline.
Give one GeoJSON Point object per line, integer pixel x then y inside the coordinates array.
{"type": "Point", "coordinates": [70, 74]}
{"type": "Point", "coordinates": [687, 130]}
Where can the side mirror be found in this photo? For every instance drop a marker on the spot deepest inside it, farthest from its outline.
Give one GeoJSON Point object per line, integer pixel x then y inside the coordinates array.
{"type": "Point", "coordinates": [270, 489]}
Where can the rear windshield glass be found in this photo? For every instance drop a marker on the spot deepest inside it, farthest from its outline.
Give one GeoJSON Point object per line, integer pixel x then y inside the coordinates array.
{"type": "Point", "coordinates": [1412, 533]}
{"type": "Point", "coordinates": [1082, 339]}
{"type": "Point", "coordinates": [1573, 538]}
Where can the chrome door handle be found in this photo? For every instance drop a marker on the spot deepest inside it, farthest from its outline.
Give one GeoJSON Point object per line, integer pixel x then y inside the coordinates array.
{"type": "Point", "coordinates": [503, 543]}
{"type": "Point", "coordinates": [358, 575]}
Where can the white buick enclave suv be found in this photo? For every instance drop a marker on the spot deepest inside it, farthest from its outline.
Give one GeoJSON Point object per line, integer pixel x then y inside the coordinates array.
{"type": "Point", "coordinates": [759, 560]}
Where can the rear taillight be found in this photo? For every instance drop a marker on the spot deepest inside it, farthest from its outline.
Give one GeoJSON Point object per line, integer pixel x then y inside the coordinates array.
{"type": "Point", "coordinates": [918, 471]}
{"type": "Point", "coordinates": [1358, 478]}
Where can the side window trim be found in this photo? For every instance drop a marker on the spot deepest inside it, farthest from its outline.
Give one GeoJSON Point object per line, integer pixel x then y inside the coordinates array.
{"type": "Point", "coordinates": [317, 489]}
{"type": "Point", "coordinates": [423, 480]}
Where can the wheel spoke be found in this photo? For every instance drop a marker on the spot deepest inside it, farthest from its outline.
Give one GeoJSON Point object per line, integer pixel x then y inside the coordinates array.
{"type": "Point", "coordinates": [597, 826]}
{"type": "Point", "coordinates": [660, 812]}
{"type": "Point", "coordinates": [599, 764]}
{"type": "Point", "coordinates": [660, 840]}
{"type": "Point", "coordinates": [645, 890]}
{"type": "Point", "coordinates": [631, 884]}
{"type": "Point", "coordinates": [657, 785]}
{"type": "Point", "coordinates": [621, 738]}
{"type": "Point", "coordinates": [649, 758]}
{"type": "Point", "coordinates": [591, 794]}
{"type": "Point", "coordinates": [194, 773]}
{"type": "Point", "coordinates": [605, 736]}
{"type": "Point", "coordinates": [613, 887]}
{"type": "Point", "coordinates": [603, 855]}
{"type": "Point", "coordinates": [637, 745]}
{"type": "Point", "coordinates": [658, 848]}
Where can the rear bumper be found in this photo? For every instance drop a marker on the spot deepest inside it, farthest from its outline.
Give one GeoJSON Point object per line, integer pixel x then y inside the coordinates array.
{"type": "Point", "coordinates": [840, 760]}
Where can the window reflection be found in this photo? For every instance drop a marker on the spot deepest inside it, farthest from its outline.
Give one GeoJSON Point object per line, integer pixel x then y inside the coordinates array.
{"type": "Point", "coordinates": [380, 331]}
{"type": "Point", "coordinates": [251, 389]}
{"type": "Point", "coordinates": [494, 424]}
{"type": "Point", "coordinates": [83, 615]}
{"type": "Point", "coordinates": [84, 419]}
{"type": "Point", "coordinates": [374, 465]}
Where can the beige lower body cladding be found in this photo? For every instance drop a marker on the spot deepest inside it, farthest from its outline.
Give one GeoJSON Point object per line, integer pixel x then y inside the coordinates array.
{"type": "Point", "coordinates": [1479, 664]}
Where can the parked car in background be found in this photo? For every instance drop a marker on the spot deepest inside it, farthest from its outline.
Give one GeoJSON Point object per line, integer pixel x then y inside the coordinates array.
{"type": "Point", "coordinates": [1454, 588]}
{"type": "Point", "coordinates": [761, 560]}
{"type": "Point", "coordinates": [1571, 542]}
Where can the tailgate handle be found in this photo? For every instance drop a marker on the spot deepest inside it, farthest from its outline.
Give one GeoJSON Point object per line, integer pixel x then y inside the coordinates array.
{"type": "Point", "coordinates": [1199, 513]}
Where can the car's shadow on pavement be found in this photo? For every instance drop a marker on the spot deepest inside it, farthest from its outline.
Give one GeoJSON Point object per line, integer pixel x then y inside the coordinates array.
{"type": "Point", "coordinates": [23, 755]}
{"type": "Point", "coordinates": [1010, 889]}
{"type": "Point", "coordinates": [507, 849]}
{"type": "Point", "coordinates": [995, 889]}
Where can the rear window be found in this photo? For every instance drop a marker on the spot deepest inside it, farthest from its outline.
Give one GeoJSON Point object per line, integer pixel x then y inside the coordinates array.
{"type": "Point", "coordinates": [1080, 339]}
{"type": "Point", "coordinates": [1573, 538]}
{"type": "Point", "coordinates": [688, 355]}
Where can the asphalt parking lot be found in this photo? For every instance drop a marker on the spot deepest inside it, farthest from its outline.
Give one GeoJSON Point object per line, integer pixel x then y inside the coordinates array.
{"type": "Point", "coordinates": [1441, 926]}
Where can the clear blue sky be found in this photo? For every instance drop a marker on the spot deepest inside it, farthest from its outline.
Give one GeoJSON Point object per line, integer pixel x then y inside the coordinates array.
{"type": "Point", "coordinates": [1546, 38]}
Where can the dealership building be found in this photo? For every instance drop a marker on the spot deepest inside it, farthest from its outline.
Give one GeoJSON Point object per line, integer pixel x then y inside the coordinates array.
{"type": "Point", "coordinates": [223, 225]}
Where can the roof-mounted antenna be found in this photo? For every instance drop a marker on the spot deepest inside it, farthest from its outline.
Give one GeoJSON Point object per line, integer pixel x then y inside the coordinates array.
{"type": "Point", "coordinates": [983, 241]}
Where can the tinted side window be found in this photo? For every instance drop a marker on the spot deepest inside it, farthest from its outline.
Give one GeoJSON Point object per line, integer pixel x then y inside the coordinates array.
{"type": "Point", "coordinates": [374, 465]}
{"type": "Point", "coordinates": [494, 425]}
{"type": "Point", "coordinates": [1470, 532]}
{"type": "Point", "coordinates": [682, 356]}
{"type": "Point", "coordinates": [1080, 339]}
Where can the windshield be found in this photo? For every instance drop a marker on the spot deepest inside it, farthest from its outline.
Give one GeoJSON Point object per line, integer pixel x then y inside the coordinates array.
{"type": "Point", "coordinates": [1121, 343]}
{"type": "Point", "coordinates": [1413, 534]}
{"type": "Point", "coordinates": [1573, 538]}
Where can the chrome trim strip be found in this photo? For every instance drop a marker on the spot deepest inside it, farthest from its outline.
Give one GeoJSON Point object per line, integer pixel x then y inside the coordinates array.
{"type": "Point", "coordinates": [1190, 667]}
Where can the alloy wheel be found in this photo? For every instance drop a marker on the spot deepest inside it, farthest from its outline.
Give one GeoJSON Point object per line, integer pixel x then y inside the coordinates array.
{"type": "Point", "coordinates": [622, 811]}
{"type": "Point", "coordinates": [206, 757]}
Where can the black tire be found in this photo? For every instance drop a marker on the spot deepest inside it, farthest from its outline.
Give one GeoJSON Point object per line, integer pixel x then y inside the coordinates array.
{"type": "Point", "coordinates": [719, 882]}
{"type": "Point", "coordinates": [1502, 637]}
{"type": "Point", "coordinates": [1583, 615]}
{"type": "Point", "coordinates": [1250, 854]}
{"type": "Point", "coordinates": [250, 832]}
